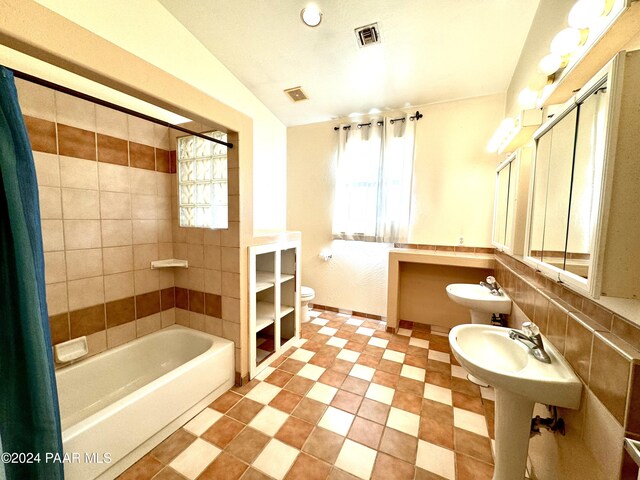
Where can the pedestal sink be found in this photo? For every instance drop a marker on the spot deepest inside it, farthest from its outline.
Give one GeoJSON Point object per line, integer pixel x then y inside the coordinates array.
{"type": "Point", "coordinates": [479, 301]}
{"type": "Point", "coordinates": [519, 381]}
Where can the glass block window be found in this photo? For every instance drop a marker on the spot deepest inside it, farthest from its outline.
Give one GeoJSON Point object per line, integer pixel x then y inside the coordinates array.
{"type": "Point", "coordinates": [202, 179]}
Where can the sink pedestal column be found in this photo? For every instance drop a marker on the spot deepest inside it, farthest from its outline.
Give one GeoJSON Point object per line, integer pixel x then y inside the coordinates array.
{"type": "Point", "coordinates": [512, 427]}
{"type": "Point", "coordinates": [482, 318]}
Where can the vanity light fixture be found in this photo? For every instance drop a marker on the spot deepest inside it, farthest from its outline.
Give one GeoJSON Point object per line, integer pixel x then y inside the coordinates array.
{"type": "Point", "coordinates": [503, 131]}
{"type": "Point", "coordinates": [551, 63]}
{"type": "Point", "coordinates": [528, 98]}
{"type": "Point", "coordinates": [311, 15]}
{"type": "Point", "coordinates": [586, 12]}
{"type": "Point", "coordinates": [568, 40]}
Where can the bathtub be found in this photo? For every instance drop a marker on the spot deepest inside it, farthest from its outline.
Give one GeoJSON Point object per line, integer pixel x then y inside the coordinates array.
{"type": "Point", "coordinates": [117, 406]}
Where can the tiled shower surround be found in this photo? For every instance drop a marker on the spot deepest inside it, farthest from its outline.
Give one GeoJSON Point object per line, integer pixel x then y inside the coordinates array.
{"type": "Point", "coordinates": [108, 206]}
{"type": "Point", "coordinates": [601, 347]}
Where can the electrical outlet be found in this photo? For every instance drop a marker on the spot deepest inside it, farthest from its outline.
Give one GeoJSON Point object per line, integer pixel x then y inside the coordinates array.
{"type": "Point", "coordinates": [461, 240]}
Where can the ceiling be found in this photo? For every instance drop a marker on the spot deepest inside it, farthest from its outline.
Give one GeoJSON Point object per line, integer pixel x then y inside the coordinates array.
{"type": "Point", "coordinates": [431, 50]}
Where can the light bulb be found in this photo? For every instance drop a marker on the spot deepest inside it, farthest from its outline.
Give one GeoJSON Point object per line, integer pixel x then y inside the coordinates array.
{"type": "Point", "coordinates": [586, 12]}
{"type": "Point", "coordinates": [311, 15]}
{"type": "Point", "coordinates": [551, 63]}
{"type": "Point", "coordinates": [505, 127]}
{"type": "Point", "coordinates": [566, 41]}
{"type": "Point", "coordinates": [528, 98]}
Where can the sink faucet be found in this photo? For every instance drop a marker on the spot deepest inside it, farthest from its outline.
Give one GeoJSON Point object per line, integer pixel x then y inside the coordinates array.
{"type": "Point", "coordinates": [492, 286]}
{"type": "Point", "coordinates": [531, 334]}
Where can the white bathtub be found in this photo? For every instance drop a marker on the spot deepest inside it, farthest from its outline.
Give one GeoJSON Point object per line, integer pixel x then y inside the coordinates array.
{"type": "Point", "coordinates": [125, 401]}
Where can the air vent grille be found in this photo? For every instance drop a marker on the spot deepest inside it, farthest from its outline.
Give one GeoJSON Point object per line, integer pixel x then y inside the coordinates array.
{"type": "Point", "coordinates": [296, 94]}
{"type": "Point", "coordinates": [368, 35]}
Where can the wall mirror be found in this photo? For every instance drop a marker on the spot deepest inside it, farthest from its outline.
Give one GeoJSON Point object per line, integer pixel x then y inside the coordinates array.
{"type": "Point", "coordinates": [501, 205]}
{"type": "Point", "coordinates": [566, 186]}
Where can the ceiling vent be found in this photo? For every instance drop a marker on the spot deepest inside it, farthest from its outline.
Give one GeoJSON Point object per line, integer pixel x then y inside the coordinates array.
{"type": "Point", "coordinates": [368, 35]}
{"type": "Point", "coordinates": [296, 94]}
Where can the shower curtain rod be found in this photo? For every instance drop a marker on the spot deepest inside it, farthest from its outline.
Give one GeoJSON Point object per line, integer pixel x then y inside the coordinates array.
{"type": "Point", "coordinates": [104, 103]}
{"type": "Point", "coordinates": [415, 117]}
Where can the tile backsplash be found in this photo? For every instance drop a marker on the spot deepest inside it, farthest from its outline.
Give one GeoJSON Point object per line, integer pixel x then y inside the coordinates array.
{"type": "Point", "coordinates": [108, 191]}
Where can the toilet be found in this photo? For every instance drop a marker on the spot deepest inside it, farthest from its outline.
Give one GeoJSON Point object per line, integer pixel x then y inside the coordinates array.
{"type": "Point", "coordinates": [306, 295]}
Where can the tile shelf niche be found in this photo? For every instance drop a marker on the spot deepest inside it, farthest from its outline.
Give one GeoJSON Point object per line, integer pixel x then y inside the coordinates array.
{"type": "Point", "coordinates": [274, 306]}
{"type": "Point", "coordinates": [169, 263]}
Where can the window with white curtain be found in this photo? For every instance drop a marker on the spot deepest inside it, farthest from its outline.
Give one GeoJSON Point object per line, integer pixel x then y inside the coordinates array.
{"type": "Point", "coordinates": [373, 181]}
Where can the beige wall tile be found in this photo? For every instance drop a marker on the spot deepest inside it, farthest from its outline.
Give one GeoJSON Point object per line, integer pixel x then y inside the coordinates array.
{"type": "Point", "coordinates": [181, 277]}
{"type": "Point", "coordinates": [166, 278]}
{"type": "Point", "coordinates": [161, 137]}
{"type": "Point", "coordinates": [80, 204]}
{"type": "Point", "coordinates": [196, 321]}
{"type": "Point", "coordinates": [180, 250]}
{"type": "Point", "coordinates": [230, 259]}
{"type": "Point", "coordinates": [111, 122]}
{"type": "Point", "coordinates": [231, 331]}
{"type": "Point", "coordinates": [603, 436]}
{"type": "Point", "coordinates": [196, 279]}
{"type": "Point", "coordinates": [81, 234]}
{"type": "Point", "coordinates": [84, 263]}
{"type": "Point", "coordinates": [168, 317]}
{"type": "Point", "coordinates": [52, 235]}
{"type": "Point", "coordinates": [146, 281]}
{"type": "Point", "coordinates": [121, 334]}
{"type": "Point", "coordinates": [213, 281]}
{"type": "Point", "coordinates": [116, 233]}
{"type": "Point", "coordinates": [212, 257]}
{"type": "Point", "coordinates": [78, 173]}
{"type": "Point", "coordinates": [97, 343]}
{"type": "Point", "coordinates": [163, 207]}
{"type": "Point", "coordinates": [179, 233]}
{"type": "Point", "coordinates": [55, 270]}
{"type": "Point", "coordinates": [164, 183]}
{"type": "Point", "coordinates": [57, 298]}
{"type": "Point", "coordinates": [143, 182]}
{"type": "Point", "coordinates": [165, 231]}
{"type": "Point", "coordinates": [141, 131]}
{"type": "Point", "coordinates": [47, 169]}
{"type": "Point", "coordinates": [118, 285]}
{"type": "Point", "coordinates": [234, 208]}
{"type": "Point", "coordinates": [231, 309]}
{"type": "Point", "coordinates": [145, 231]}
{"type": "Point", "coordinates": [115, 206]}
{"type": "Point", "coordinates": [234, 183]}
{"type": "Point", "coordinates": [147, 325]}
{"type": "Point", "coordinates": [143, 207]}
{"type": "Point", "coordinates": [36, 100]}
{"type": "Point", "coordinates": [50, 203]}
{"type": "Point", "coordinates": [230, 284]}
{"type": "Point", "coordinates": [195, 235]}
{"type": "Point", "coordinates": [117, 259]}
{"type": "Point", "coordinates": [75, 112]}
{"type": "Point", "coordinates": [86, 292]}
{"type": "Point", "coordinates": [165, 250]}
{"type": "Point", "coordinates": [231, 236]}
{"type": "Point", "coordinates": [213, 325]}
{"type": "Point", "coordinates": [182, 317]}
{"type": "Point", "coordinates": [143, 255]}
{"type": "Point", "coordinates": [114, 178]}
{"type": "Point", "coordinates": [195, 255]}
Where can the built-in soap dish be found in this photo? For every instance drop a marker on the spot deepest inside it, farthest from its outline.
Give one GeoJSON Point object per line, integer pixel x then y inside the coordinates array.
{"type": "Point", "coordinates": [71, 350]}
{"type": "Point", "coordinates": [169, 263]}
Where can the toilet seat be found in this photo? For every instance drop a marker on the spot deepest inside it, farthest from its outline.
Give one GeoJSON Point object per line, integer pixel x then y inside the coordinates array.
{"type": "Point", "coordinates": [307, 292]}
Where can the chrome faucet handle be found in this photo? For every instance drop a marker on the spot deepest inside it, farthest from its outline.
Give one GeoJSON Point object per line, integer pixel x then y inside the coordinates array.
{"type": "Point", "coordinates": [491, 280]}
{"type": "Point", "coordinates": [530, 329]}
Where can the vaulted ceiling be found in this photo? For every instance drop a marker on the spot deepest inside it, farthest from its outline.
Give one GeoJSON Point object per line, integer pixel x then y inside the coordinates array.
{"type": "Point", "coordinates": [431, 50]}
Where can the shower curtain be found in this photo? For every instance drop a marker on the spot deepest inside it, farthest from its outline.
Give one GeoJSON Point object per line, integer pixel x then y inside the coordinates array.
{"type": "Point", "coordinates": [29, 416]}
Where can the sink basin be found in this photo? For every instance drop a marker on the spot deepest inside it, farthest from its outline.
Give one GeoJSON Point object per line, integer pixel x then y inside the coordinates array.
{"type": "Point", "coordinates": [519, 381]}
{"type": "Point", "coordinates": [488, 353]}
{"type": "Point", "coordinates": [478, 298]}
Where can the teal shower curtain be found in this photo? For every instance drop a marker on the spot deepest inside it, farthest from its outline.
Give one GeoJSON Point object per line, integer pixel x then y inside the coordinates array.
{"type": "Point", "coordinates": [29, 416]}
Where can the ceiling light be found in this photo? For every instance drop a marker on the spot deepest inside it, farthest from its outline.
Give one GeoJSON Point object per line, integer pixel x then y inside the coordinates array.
{"type": "Point", "coordinates": [568, 40]}
{"type": "Point", "coordinates": [586, 12]}
{"type": "Point", "coordinates": [503, 130]}
{"type": "Point", "coordinates": [551, 63]}
{"type": "Point", "coordinates": [311, 15]}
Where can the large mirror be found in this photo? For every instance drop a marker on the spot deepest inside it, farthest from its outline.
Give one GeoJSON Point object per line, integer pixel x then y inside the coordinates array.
{"type": "Point", "coordinates": [503, 176]}
{"type": "Point", "coordinates": [566, 186]}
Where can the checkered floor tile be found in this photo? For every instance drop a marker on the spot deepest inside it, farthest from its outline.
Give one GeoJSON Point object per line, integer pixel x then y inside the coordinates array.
{"type": "Point", "coordinates": [349, 401]}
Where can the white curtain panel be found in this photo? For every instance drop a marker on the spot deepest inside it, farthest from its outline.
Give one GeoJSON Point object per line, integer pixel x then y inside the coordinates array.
{"type": "Point", "coordinates": [373, 181]}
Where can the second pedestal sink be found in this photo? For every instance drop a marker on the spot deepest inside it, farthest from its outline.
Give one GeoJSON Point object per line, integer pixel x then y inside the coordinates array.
{"type": "Point", "coordinates": [479, 301]}
{"type": "Point", "coordinates": [519, 381]}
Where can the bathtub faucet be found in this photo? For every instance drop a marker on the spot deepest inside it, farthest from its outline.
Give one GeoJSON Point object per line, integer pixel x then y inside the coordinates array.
{"type": "Point", "coordinates": [492, 286]}
{"type": "Point", "coordinates": [531, 338]}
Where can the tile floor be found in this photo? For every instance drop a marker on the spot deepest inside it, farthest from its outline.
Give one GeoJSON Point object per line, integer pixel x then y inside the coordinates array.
{"type": "Point", "coordinates": [349, 401]}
